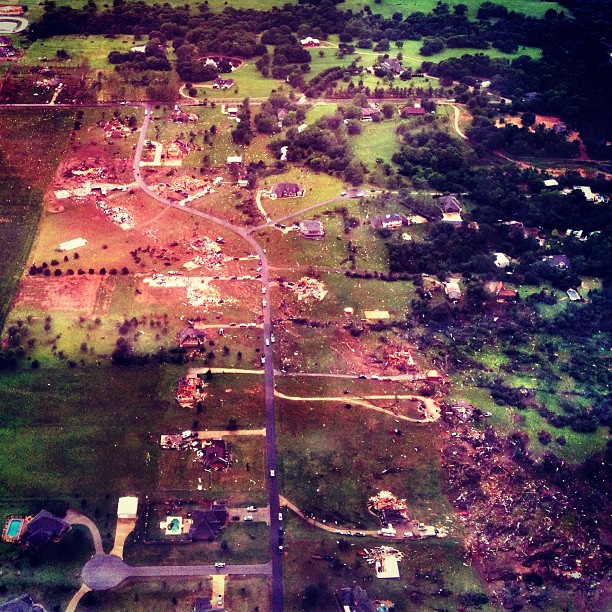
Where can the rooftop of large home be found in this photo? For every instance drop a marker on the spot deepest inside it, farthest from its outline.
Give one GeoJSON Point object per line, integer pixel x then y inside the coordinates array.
{"type": "Point", "coordinates": [286, 190]}
{"type": "Point", "coordinates": [220, 83]}
{"type": "Point", "coordinates": [207, 524]}
{"type": "Point", "coordinates": [450, 204]}
{"type": "Point", "coordinates": [409, 111]}
{"type": "Point", "coordinates": [391, 221]}
{"type": "Point", "coordinates": [189, 337]}
{"type": "Point", "coordinates": [311, 229]}
{"type": "Point", "coordinates": [45, 527]}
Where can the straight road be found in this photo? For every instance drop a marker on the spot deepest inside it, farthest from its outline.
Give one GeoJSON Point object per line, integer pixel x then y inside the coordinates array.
{"type": "Point", "coordinates": [273, 492]}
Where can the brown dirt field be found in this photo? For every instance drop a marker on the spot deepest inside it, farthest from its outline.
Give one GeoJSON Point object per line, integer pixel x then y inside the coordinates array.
{"type": "Point", "coordinates": [63, 294]}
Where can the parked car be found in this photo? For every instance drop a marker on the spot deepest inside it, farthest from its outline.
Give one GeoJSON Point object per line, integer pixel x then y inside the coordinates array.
{"type": "Point", "coordinates": [219, 564]}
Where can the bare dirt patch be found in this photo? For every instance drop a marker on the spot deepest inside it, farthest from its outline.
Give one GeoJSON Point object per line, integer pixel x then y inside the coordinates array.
{"type": "Point", "coordinates": [64, 294]}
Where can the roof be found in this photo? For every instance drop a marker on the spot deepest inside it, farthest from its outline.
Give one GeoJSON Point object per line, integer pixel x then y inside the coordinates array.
{"type": "Point", "coordinates": [389, 219]}
{"type": "Point", "coordinates": [45, 527]}
{"type": "Point", "coordinates": [287, 190]}
{"type": "Point", "coordinates": [412, 110]}
{"type": "Point", "coordinates": [311, 227]}
{"type": "Point", "coordinates": [206, 524]}
{"type": "Point", "coordinates": [501, 260]}
{"type": "Point", "coordinates": [234, 159]}
{"type": "Point", "coordinates": [127, 507]}
{"type": "Point", "coordinates": [387, 567]}
{"type": "Point", "coordinates": [23, 603]}
{"type": "Point", "coordinates": [376, 314]}
{"type": "Point", "coordinates": [393, 64]}
{"type": "Point", "coordinates": [190, 336]}
{"type": "Point", "coordinates": [370, 112]}
{"type": "Point", "coordinates": [450, 204]}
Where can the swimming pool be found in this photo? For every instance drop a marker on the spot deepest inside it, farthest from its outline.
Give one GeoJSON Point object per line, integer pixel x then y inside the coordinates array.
{"type": "Point", "coordinates": [13, 528]}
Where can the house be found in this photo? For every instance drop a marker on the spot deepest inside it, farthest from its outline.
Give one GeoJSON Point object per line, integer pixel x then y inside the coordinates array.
{"type": "Point", "coordinates": [232, 112]}
{"type": "Point", "coordinates": [368, 114]}
{"type": "Point", "coordinates": [286, 190]}
{"type": "Point", "coordinates": [500, 292]}
{"type": "Point", "coordinates": [501, 260]}
{"type": "Point", "coordinates": [551, 183]}
{"type": "Point", "coordinates": [189, 337]}
{"type": "Point", "coordinates": [411, 111]}
{"type": "Point", "coordinates": [220, 83]}
{"type": "Point", "coordinates": [21, 604]}
{"type": "Point", "coordinates": [44, 528]}
{"type": "Point", "coordinates": [390, 221]}
{"type": "Point", "coordinates": [450, 204]}
{"type": "Point", "coordinates": [434, 374]}
{"type": "Point", "coordinates": [589, 196]}
{"type": "Point", "coordinates": [207, 524]}
{"type": "Point", "coordinates": [180, 116]}
{"type": "Point", "coordinates": [310, 42]}
{"type": "Point", "coordinates": [354, 599]}
{"type": "Point", "coordinates": [558, 261]}
{"type": "Point", "coordinates": [392, 65]}
{"type": "Point", "coordinates": [215, 455]}
{"type": "Point", "coordinates": [311, 229]}
{"type": "Point", "coordinates": [452, 290]}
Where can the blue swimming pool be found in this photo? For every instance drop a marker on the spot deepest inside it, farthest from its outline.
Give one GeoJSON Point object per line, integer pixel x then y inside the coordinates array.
{"type": "Point", "coordinates": [13, 527]}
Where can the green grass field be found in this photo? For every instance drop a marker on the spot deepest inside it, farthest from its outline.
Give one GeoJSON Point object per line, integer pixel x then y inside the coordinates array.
{"type": "Point", "coordinates": [31, 144]}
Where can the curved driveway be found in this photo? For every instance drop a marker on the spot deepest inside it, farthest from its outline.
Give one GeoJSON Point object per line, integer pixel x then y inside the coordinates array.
{"type": "Point", "coordinates": [277, 586]}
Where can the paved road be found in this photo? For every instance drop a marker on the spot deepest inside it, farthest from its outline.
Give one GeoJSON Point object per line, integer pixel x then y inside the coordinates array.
{"type": "Point", "coordinates": [104, 572]}
{"type": "Point", "coordinates": [273, 493]}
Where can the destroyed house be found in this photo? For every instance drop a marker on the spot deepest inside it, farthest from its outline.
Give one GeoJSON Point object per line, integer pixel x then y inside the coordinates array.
{"type": "Point", "coordinates": [390, 221]}
{"type": "Point", "coordinates": [216, 455]}
{"type": "Point", "coordinates": [558, 261]}
{"type": "Point", "coordinates": [354, 599]}
{"type": "Point", "coordinates": [203, 604]}
{"type": "Point", "coordinates": [206, 524]}
{"type": "Point", "coordinates": [189, 337]}
{"type": "Point", "coordinates": [44, 528]}
{"type": "Point", "coordinates": [286, 190]}
{"type": "Point", "coordinates": [311, 229]}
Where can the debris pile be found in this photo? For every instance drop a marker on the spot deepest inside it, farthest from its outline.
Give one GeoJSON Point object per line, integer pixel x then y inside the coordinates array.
{"type": "Point", "coordinates": [528, 521]}
{"type": "Point", "coordinates": [309, 289]}
{"type": "Point", "coordinates": [400, 360]}
{"type": "Point", "coordinates": [189, 391]}
{"type": "Point", "coordinates": [209, 253]}
{"type": "Point", "coordinates": [213, 454]}
{"type": "Point", "coordinates": [117, 215]}
{"type": "Point", "coordinates": [199, 292]}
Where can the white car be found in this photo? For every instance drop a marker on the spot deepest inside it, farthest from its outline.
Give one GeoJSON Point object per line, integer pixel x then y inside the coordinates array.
{"type": "Point", "coordinates": [263, 360]}
{"type": "Point", "coordinates": [267, 342]}
{"type": "Point", "coordinates": [252, 509]}
{"type": "Point", "coordinates": [263, 290]}
{"type": "Point", "coordinates": [248, 517]}
{"type": "Point", "coordinates": [264, 303]}
{"type": "Point", "coordinates": [272, 473]}
{"type": "Point", "coordinates": [280, 516]}
{"type": "Point", "coordinates": [272, 339]}
{"type": "Point", "coordinates": [219, 564]}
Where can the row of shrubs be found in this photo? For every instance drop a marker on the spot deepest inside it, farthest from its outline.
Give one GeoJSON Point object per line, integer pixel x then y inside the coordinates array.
{"type": "Point", "coordinates": [45, 271]}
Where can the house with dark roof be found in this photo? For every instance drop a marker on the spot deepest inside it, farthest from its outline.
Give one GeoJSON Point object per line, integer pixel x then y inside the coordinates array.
{"type": "Point", "coordinates": [21, 604]}
{"type": "Point", "coordinates": [207, 524]}
{"type": "Point", "coordinates": [390, 221]}
{"type": "Point", "coordinates": [392, 65]}
{"type": "Point", "coordinates": [311, 229]}
{"type": "Point", "coordinates": [188, 337]}
{"type": "Point", "coordinates": [220, 83]}
{"type": "Point", "coordinates": [286, 190]}
{"type": "Point", "coordinates": [45, 527]}
{"type": "Point", "coordinates": [354, 599]}
{"type": "Point", "coordinates": [450, 204]}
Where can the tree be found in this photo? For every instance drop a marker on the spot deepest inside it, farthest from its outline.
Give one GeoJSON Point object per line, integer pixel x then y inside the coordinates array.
{"type": "Point", "coordinates": [528, 119]}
